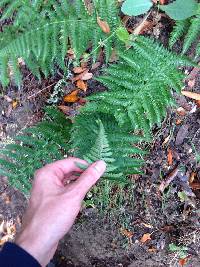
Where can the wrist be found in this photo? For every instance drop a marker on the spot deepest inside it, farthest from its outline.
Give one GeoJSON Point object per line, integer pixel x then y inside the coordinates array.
{"type": "Point", "coordinates": [32, 243]}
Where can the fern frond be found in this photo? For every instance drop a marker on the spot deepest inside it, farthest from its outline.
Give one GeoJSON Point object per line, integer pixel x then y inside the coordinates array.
{"type": "Point", "coordinates": [139, 85]}
{"type": "Point", "coordinates": [179, 30]}
{"type": "Point", "coordinates": [189, 29]}
{"type": "Point", "coordinates": [39, 145]}
{"type": "Point", "coordinates": [42, 32]}
{"type": "Point", "coordinates": [193, 34]}
{"type": "Point", "coordinates": [105, 140]}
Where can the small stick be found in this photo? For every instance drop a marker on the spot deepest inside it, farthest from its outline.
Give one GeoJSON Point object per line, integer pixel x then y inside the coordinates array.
{"type": "Point", "coordinates": [170, 178]}
{"type": "Point", "coordinates": [40, 91]}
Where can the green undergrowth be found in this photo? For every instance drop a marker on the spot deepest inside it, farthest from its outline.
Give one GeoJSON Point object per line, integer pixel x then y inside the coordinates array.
{"type": "Point", "coordinates": [115, 124]}
{"type": "Point", "coordinates": [189, 30]}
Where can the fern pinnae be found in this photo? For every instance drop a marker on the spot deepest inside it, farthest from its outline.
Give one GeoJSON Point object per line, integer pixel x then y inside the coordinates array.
{"type": "Point", "coordinates": [180, 28]}
{"type": "Point", "coordinates": [192, 35]}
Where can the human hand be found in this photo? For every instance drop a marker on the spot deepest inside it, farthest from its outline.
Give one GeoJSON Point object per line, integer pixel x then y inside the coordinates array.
{"type": "Point", "coordinates": [54, 204]}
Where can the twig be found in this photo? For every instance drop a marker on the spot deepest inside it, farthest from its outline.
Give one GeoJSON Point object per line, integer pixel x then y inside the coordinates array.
{"type": "Point", "coordinates": [141, 24]}
{"type": "Point", "coordinates": [170, 178]}
{"type": "Point", "coordinates": [40, 91]}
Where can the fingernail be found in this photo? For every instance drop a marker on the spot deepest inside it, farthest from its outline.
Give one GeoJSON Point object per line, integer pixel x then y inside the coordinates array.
{"type": "Point", "coordinates": [100, 166]}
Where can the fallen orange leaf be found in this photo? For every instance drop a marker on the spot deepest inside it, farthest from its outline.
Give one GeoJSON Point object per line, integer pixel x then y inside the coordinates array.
{"type": "Point", "coordinates": [14, 104]}
{"type": "Point", "coordinates": [71, 98]}
{"type": "Point", "coordinates": [81, 85]}
{"type": "Point", "coordinates": [78, 70]}
{"type": "Point", "coordinates": [145, 238]}
{"type": "Point", "coordinates": [127, 233]}
{"type": "Point", "coordinates": [169, 157]}
{"type": "Point", "coordinates": [178, 122]}
{"type": "Point", "coordinates": [182, 262]}
{"type": "Point", "coordinates": [192, 95]}
{"type": "Point", "coordinates": [103, 25]}
{"type": "Point", "coordinates": [198, 103]}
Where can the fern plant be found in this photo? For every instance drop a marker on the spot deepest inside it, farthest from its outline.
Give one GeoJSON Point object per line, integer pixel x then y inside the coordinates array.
{"type": "Point", "coordinates": [112, 124]}
{"type": "Point", "coordinates": [140, 85]}
{"type": "Point", "coordinates": [104, 139]}
{"type": "Point", "coordinates": [42, 32]}
{"type": "Point", "coordinates": [50, 140]}
{"type": "Point", "coordinates": [190, 30]}
{"type": "Point", "coordinates": [39, 145]}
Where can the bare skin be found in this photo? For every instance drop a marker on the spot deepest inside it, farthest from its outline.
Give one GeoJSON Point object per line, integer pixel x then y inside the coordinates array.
{"type": "Point", "coordinates": [54, 205]}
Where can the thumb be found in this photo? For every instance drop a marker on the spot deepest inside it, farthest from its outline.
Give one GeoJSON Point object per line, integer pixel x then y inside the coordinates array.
{"type": "Point", "coordinates": [89, 177]}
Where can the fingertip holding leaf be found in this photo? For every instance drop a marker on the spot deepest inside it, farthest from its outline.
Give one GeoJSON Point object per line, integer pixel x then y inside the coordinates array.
{"type": "Point", "coordinates": [81, 166]}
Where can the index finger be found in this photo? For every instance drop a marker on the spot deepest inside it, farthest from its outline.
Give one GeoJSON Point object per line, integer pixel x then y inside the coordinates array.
{"type": "Point", "coordinates": [62, 167]}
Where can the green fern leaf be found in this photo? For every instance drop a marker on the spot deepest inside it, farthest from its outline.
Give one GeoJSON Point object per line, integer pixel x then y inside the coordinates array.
{"type": "Point", "coordinates": [39, 145]}
{"type": "Point", "coordinates": [139, 86]}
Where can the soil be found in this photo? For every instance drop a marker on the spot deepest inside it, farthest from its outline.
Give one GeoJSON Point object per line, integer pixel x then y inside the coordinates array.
{"type": "Point", "coordinates": [114, 238]}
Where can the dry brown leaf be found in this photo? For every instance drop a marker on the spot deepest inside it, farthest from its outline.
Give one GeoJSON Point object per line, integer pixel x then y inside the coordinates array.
{"type": "Point", "coordinates": [8, 230]}
{"type": "Point", "coordinates": [169, 157]}
{"type": "Point", "coordinates": [71, 98]}
{"type": "Point", "coordinates": [183, 262]}
{"type": "Point", "coordinates": [82, 85]}
{"type": "Point", "coordinates": [143, 27]}
{"type": "Point", "coordinates": [178, 122]}
{"type": "Point", "coordinates": [70, 53]}
{"type": "Point", "coordinates": [168, 228]}
{"type": "Point", "coordinates": [195, 186]}
{"type": "Point", "coordinates": [87, 76]}
{"type": "Point", "coordinates": [127, 233]}
{"type": "Point", "coordinates": [78, 70]}
{"type": "Point", "coordinates": [79, 76]}
{"type": "Point", "coordinates": [198, 103]}
{"type": "Point", "coordinates": [14, 104]}
{"type": "Point", "coordinates": [181, 111]}
{"type": "Point", "coordinates": [168, 180]}
{"type": "Point", "coordinates": [192, 177]}
{"type": "Point", "coordinates": [103, 25]}
{"type": "Point", "coordinates": [7, 98]}
{"type": "Point", "coordinates": [153, 250]}
{"type": "Point", "coordinates": [7, 199]}
{"type": "Point", "coordinates": [95, 65]}
{"type": "Point", "coordinates": [191, 83]}
{"type": "Point", "coordinates": [166, 140]}
{"type": "Point", "coordinates": [163, 2]}
{"type": "Point", "coordinates": [147, 225]}
{"type": "Point", "coordinates": [192, 95]}
{"type": "Point", "coordinates": [64, 109]}
{"type": "Point", "coordinates": [145, 238]}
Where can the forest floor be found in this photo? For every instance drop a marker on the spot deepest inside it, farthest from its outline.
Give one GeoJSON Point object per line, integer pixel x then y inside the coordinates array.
{"type": "Point", "coordinates": [161, 208]}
